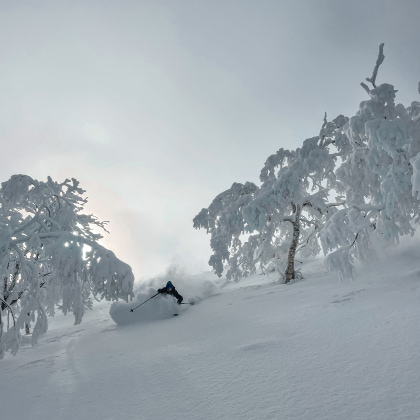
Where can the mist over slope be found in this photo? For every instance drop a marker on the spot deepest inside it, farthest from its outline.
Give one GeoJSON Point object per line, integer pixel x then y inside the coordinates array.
{"type": "Point", "coordinates": [314, 349]}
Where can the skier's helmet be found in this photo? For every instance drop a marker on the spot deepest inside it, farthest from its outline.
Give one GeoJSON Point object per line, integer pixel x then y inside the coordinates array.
{"type": "Point", "coordinates": [169, 285]}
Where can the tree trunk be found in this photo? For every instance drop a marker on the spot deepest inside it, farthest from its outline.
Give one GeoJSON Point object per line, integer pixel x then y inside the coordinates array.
{"type": "Point", "coordinates": [27, 330]}
{"type": "Point", "coordinates": [3, 305]}
{"type": "Point", "coordinates": [1, 334]}
{"type": "Point", "coordinates": [290, 270]}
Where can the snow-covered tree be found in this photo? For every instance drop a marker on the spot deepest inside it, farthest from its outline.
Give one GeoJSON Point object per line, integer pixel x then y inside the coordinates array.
{"type": "Point", "coordinates": [224, 221]}
{"type": "Point", "coordinates": [264, 227]}
{"type": "Point", "coordinates": [375, 165]}
{"type": "Point", "coordinates": [292, 204]}
{"type": "Point", "coordinates": [50, 256]}
{"type": "Point", "coordinates": [380, 177]}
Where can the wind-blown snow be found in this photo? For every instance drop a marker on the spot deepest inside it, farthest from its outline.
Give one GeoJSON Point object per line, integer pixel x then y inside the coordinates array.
{"type": "Point", "coordinates": [158, 307]}
{"type": "Point", "coordinates": [161, 307]}
{"type": "Point", "coordinates": [314, 349]}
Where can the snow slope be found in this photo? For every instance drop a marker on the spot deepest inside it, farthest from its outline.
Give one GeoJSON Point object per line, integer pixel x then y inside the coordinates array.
{"type": "Point", "coordinates": [314, 349]}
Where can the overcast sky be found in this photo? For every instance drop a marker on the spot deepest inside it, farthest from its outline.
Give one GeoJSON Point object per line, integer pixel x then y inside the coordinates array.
{"type": "Point", "coordinates": [158, 106]}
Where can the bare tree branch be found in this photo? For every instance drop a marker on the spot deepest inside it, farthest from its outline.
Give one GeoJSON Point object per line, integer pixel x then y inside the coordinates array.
{"type": "Point", "coordinates": [379, 61]}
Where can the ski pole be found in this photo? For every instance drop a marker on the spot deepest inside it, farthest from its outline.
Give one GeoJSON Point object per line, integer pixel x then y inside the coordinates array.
{"type": "Point", "coordinates": [132, 310]}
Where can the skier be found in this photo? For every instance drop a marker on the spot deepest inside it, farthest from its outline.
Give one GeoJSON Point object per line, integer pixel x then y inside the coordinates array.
{"type": "Point", "coordinates": [169, 289]}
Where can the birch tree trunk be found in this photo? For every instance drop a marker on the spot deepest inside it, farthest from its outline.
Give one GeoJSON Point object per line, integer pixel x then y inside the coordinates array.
{"type": "Point", "coordinates": [290, 270]}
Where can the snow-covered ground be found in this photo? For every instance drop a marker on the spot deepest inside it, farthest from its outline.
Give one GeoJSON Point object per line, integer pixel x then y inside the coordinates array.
{"type": "Point", "coordinates": [314, 349]}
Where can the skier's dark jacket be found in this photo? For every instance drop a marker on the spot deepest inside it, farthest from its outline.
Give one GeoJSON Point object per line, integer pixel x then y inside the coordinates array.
{"type": "Point", "coordinates": [165, 290]}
